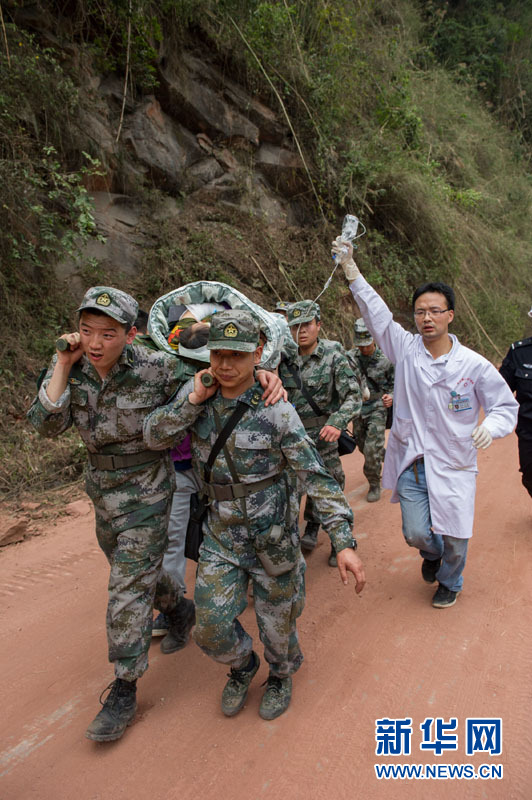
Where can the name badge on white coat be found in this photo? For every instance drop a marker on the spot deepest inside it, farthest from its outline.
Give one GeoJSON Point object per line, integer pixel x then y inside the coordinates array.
{"type": "Point", "coordinates": [459, 403]}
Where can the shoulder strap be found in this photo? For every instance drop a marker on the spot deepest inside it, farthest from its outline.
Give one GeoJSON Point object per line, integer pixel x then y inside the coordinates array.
{"type": "Point", "coordinates": [222, 439]}
{"type": "Point", "coordinates": [372, 381]}
{"type": "Point", "coordinates": [302, 388]}
{"type": "Point", "coordinates": [224, 435]}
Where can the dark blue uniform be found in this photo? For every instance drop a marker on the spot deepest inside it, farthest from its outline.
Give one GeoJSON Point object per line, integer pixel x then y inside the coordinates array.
{"type": "Point", "coordinates": [516, 369]}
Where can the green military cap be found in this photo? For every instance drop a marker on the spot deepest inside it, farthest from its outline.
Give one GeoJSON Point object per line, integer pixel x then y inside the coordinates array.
{"type": "Point", "coordinates": [234, 330]}
{"type": "Point", "coordinates": [304, 311]}
{"type": "Point", "coordinates": [282, 305]}
{"type": "Point", "coordinates": [113, 302]}
{"type": "Point", "coordinates": [363, 337]}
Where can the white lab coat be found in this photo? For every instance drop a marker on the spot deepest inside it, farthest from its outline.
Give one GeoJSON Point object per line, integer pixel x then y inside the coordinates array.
{"type": "Point", "coordinates": [428, 421]}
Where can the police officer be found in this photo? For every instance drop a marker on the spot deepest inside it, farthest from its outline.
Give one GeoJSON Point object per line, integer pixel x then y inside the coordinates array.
{"type": "Point", "coordinates": [371, 365]}
{"type": "Point", "coordinates": [105, 385]}
{"type": "Point", "coordinates": [320, 366]}
{"type": "Point", "coordinates": [251, 532]}
{"type": "Point", "coordinates": [516, 369]}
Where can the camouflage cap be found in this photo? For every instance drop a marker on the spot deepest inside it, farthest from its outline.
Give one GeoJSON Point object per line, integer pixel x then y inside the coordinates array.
{"type": "Point", "coordinates": [303, 311]}
{"type": "Point", "coordinates": [234, 330]}
{"type": "Point", "coordinates": [282, 305]}
{"type": "Point", "coordinates": [113, 302]}
{"type": "Point", "coordinates": [363, 337]}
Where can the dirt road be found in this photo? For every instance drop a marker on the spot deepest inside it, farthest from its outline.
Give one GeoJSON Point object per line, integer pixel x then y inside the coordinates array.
{"type": "Point", "coordinates": [385, 654]}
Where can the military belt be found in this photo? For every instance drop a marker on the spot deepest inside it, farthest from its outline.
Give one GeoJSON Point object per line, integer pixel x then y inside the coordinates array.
{"type": "Point", "coordinates": [103, 461]}
{"type": "Point", "coordinates": [313, 422]}
{"type": "Point", "coordinates": [235, 491]}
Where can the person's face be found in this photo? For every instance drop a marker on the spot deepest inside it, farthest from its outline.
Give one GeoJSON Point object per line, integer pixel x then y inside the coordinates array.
{"type": "Point", "coordinates": [367, 349]}
{"type": "Point", "coordinates": [233, 369]}
{"type": "Point", "coordinates": [103, 340]}
{"type": "Point", "coordinates": [306, 333]}
{"type": "Point", "coordinates": [432, 326]}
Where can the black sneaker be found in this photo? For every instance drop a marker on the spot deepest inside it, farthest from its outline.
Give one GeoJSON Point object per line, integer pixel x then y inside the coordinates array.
{"type": "Point", "coordinates": [429, 569]}
{"type": "Point", "coordinates": [117, 713]}
{"type": "Point", "coordinates": [276, 698]}
{"type": "Point", "coordinates": [310, 538]}
{"type": "Point", "coordinates": [160, 625]}
{"type": "Point", "coordinates": [236, 689]}
{"type": "Point", "coordinates": [444, 598]}
{"type": "Point", "coordinates": [182, 620]}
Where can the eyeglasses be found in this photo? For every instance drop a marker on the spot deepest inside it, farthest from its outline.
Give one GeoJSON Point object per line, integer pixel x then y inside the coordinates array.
{"type": "Point", "coordinates": [429, 312]}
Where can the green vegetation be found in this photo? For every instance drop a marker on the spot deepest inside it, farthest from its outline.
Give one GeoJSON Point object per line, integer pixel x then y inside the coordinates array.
{"type": "Point", "coordinates": [415, 116]}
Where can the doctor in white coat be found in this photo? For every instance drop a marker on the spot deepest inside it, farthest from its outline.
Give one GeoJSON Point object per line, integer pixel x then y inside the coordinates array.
{"type": "Point", "coordinates": [431, 457]}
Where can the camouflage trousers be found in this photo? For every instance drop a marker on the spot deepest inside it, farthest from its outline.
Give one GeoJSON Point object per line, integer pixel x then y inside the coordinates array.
{"type": "Point", "coordinates": [369, 429]}
{"type": "Point", "coordinates": [221, 596]}
{"type": "Point", "coordinates": [331, 460]}
{"type": "Point", "coordinates": [134, 544]}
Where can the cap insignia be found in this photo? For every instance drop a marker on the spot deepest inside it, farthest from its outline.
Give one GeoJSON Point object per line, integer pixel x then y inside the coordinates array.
{"type": "Point", "coordinates": [230, 331]}
{"type": "Point", "coordinates": [103, 300]}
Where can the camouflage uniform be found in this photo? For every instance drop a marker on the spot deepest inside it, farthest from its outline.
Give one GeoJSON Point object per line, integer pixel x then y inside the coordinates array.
{"type": "Point", "coordinates": [329, 379]}
{"type": "Point", "coordinates": [264, 442]}
{"type": "Point", "coordinates": [370, 426]}
{"type": "Point", "coordinates": [131, 503]}
{"type": "Point", "coordinates": [282, 307]}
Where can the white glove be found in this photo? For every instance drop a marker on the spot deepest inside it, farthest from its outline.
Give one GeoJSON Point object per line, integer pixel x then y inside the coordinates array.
{"type": "Point", "coordinates": [482, 438]}
{"type": "Point", "coordinates": [343, 254]}
{"type": "Point", "coordinates": [365, 393]}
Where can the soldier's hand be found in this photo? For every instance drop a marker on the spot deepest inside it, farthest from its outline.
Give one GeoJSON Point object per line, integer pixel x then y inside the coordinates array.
{"type": "Point", "coordinates": [201, 392]}
{"type": "Point", "coordinates": [72, 353]}
{"type": "Point", "coordinates": [348, 561]}
{"type": "Point", "coordinates": [272, 385]}
{"type": "Point", "coordinates": [330, 434]}
{"type": "Point", "coordinates": [387, 400]}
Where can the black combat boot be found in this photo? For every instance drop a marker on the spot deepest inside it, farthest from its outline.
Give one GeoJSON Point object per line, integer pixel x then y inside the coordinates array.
{"type": "Point", "coordinates": [374, 493]}
{"type": "Point", "coordinates": [182, 619]}
{"type": "Point", "coordinates": [117, 713]}
{"type": "Point", "coordinates": [310, 538]}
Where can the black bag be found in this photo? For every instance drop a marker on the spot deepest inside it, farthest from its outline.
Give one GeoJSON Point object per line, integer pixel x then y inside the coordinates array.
{"type": "Point", "coordinates": [199, 502]}
{"type": "Point", "coordinates": [346, 443]}
{"type": "Point", "coordinates": [389, 417]}
{"type": "Point", "coordinates": [194, 536]}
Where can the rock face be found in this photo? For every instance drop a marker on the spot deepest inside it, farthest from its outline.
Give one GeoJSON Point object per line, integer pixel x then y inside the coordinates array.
{"type": "Point", "coordinates": [199, 135]}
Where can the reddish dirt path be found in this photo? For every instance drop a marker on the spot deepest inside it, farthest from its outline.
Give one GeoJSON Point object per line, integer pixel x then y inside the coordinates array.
{"type": "Point", "coordinates": [387, 653]}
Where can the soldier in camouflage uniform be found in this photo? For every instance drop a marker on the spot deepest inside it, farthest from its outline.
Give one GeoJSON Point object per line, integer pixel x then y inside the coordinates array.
{"type": "Point", "coordinates": [251, 530]}
{"type": "Point", "coordinates": [323, 368]}
{"type": "Point", "coordinates": [281, 307]}
{"type": "Point", "coordinates": [372, 367]}
{"type": "Point", "coordinates": [105, 385]}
